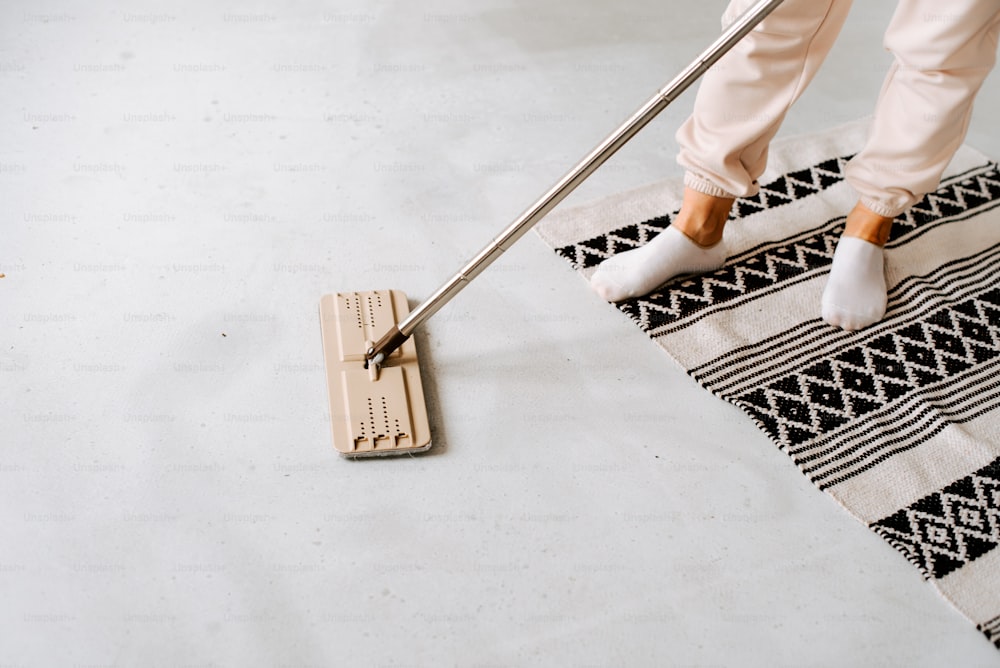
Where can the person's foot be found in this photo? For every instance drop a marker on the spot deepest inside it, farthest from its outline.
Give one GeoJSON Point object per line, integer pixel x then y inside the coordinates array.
{"type": "Point", "coordinates": [641, 271]}
{"type": "Point", "coordinates": [855, 293]}
{"type": "Point", "coordinates": [692, 244]}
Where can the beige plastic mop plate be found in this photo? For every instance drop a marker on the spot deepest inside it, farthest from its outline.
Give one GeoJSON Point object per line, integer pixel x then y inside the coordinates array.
{"type": "Point", "coordinates": [371, 418]}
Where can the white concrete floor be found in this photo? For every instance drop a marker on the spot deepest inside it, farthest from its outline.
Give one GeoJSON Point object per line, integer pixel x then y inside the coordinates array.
{"type": "Point", "coordinates": [182, 181]}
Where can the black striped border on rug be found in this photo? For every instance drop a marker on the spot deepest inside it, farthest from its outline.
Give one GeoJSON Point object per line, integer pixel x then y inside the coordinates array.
{"type": "Point", "coordinates": [991, 630]}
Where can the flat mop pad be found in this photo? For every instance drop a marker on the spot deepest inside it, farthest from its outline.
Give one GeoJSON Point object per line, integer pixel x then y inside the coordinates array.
{"type": "Point", "coordinates": [373, 411]}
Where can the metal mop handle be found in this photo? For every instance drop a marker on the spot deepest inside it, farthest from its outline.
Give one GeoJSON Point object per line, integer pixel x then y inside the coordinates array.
{"type": "Point", "coordinates": [732, 35]}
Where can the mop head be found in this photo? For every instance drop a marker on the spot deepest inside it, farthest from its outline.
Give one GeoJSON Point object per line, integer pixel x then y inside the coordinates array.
{"type": "Point", "coordinates": [373, 411]}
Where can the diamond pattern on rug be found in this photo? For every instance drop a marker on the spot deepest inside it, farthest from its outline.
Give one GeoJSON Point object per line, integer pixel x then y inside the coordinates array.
{"type": "Point", "coordinates": [803, 410]}
{"type": "Point", "coordinates": [946, 530]}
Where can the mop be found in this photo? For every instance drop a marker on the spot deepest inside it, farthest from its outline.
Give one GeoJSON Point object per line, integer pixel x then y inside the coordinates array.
{"type": "Point", "coordinates": [377, 404]}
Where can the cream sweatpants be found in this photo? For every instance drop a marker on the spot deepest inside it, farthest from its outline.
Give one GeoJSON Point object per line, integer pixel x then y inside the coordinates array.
{"type": "Point", "coordinates": [943, 51]}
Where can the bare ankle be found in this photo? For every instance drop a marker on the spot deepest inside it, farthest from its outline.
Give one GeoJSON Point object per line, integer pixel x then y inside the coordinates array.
{"type": "Point", "coordinates": [702, 217]}
{"type": "Point", "coordinates": [864, 223]}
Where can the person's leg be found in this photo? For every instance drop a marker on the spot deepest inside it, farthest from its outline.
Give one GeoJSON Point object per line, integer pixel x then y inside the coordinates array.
{"type": "Point", "coordinates": [743, 99]}
{"type": "Point", "coordinates": [943, 52]}
{"type": "Point", "coordinates": [739, 107]}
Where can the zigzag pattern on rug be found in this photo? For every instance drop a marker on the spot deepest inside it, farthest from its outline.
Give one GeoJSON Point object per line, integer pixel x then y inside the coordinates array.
{"type": "Point", "coordinates": [757, 272]}
{"type": "Point", "coordinates": [783, 190]}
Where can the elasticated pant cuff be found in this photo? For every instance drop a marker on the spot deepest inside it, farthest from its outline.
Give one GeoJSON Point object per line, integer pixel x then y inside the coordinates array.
{"type": "Point", "coordinates": [706, 187]}
{"type": "Point", "coordinates": [881, 209]}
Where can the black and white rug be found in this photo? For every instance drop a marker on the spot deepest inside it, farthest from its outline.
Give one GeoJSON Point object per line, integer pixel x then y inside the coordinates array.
{"type": "Point", "coordinates": [900, 423]}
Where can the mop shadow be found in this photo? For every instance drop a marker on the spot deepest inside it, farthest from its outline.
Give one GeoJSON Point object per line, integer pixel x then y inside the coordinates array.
{"type": "Point", "coordinates": [439, 439]}
{"type": "Point", "coordinates": [541, 368]}
{"type": "Point", "coordinates": [508, 367]}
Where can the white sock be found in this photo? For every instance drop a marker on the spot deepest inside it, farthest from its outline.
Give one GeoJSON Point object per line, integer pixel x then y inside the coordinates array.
{"type": "Point", "coordinates": [855, 294]}
{"type": "Point", "coordinates": [641, 271]}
